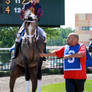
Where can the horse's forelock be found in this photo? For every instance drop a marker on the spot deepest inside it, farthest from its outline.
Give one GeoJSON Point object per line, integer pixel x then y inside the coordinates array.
{"type": "Point", "coordinates": [27, 13]}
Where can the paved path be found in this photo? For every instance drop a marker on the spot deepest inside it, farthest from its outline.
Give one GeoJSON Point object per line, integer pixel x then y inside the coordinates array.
{"type": "Point", "coordinates": [20, 82]}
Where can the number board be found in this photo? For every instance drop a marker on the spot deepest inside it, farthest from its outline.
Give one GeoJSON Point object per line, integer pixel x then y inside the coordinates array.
{"type": "Point", "coordinates": [53, 12]}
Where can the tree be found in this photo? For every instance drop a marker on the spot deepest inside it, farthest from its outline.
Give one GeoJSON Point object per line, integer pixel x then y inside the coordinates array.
{"type": "Point", "coordinates": [7, 36]}
{"type": "Point", "coordinates": [7, 39]}
{"type": "Point", "coordinates": [57, 36]}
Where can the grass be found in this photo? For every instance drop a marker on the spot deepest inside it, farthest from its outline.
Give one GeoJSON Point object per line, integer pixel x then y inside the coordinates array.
{"type": "Point", "coordinates": [60, 87]}
{"type": "Point", "coordinates": [88, 86]}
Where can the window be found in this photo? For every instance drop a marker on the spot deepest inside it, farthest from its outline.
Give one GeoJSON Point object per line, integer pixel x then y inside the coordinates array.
{"type": "Point", "coordinates": [86, 28]}
{"type": "Point", "coordinates": [90, 28]}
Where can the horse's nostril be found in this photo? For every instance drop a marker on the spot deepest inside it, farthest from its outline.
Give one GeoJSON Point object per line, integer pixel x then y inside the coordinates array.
{"type": "Point", "coordinates": [30, 18]}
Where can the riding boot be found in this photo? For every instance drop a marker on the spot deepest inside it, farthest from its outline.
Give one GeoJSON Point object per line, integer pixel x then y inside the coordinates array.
{"type": "Point", "coordinates": [17, 44]}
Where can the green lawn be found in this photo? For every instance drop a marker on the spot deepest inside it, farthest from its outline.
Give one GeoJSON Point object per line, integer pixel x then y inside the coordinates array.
{"type": "Point", "coordinates": [88, 86]}
{"type": "Point", "coordinates": [60, 87]}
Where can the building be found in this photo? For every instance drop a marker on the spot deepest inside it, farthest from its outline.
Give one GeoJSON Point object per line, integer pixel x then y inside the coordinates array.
{"type": "Point", "coordinates": [83, 26]}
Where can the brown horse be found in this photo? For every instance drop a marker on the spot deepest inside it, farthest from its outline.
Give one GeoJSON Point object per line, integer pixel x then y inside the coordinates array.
{"type": "Point", "coordinates": [29, 54]}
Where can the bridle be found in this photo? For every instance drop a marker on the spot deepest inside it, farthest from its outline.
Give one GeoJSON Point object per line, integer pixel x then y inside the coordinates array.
{"type": "Point", "coordinates": [36, 31]}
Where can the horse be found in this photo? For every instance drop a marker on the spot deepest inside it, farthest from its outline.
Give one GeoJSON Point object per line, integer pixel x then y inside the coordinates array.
{"type": "Point", "coordinates": [29, 53]}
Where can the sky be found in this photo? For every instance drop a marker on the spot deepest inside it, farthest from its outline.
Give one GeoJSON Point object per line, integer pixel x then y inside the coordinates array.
{"type": "Point", "coordinates": [75, 6]}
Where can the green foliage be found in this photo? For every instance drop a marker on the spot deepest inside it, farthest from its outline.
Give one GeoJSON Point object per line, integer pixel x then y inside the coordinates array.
{"type": "Point", "coordinates": [57, 36]}
{"type": "Point", "coordinates": [7, 36]}
{"type": "Point", "coordinates": [7, 39]}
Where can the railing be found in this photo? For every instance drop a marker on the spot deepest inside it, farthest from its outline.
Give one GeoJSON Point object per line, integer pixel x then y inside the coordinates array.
{"type": "Point", "coordinates": [51, 62]}
{"type": "Point", "coordinates": [4, 57]}
{"type": "Point", "coordinates": [4, 67]}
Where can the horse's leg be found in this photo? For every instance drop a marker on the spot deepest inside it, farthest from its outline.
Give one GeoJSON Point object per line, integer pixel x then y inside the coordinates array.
{"type": "Point", "coordinates": [39, 74]}
{"type": "Point", "coordinates": [33, 76]}
{"type": "Point", "coordinates": [15, 72]}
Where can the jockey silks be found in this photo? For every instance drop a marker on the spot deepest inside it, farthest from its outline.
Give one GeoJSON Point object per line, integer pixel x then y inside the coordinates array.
{"type": "Point", "coordinates": [74, 68]}
{"type": "Point", "coordinates": [36, 9]}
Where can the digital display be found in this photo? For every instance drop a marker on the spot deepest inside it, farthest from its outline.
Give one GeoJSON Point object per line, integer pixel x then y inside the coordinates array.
{"type": "Point", "coordinates": [53, 12]}
{"type": "Point", "coordinates": [12, 6]}
{"type": "Point", "coordinates": [10, 12]}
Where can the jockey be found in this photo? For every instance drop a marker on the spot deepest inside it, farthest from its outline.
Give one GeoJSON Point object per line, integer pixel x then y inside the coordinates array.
{"type": "Point", "coordinates": [35, 8]}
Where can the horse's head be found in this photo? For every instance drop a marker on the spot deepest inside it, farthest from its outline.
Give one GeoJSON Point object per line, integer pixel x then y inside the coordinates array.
{"type": "Point", "coordinates": [31, 23]}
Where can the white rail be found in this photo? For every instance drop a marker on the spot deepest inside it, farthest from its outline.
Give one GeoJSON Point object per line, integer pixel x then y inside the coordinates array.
{"type": "Point", "coordinates": [48, 47]}
{"type": "Point", "coordinates": [4, 48]}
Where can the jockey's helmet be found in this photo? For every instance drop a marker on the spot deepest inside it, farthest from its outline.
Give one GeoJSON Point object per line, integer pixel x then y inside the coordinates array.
{"type": "Point", "coordinates": [34, 1]}
{"type": "Point", "coordinates": [37, 10]}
